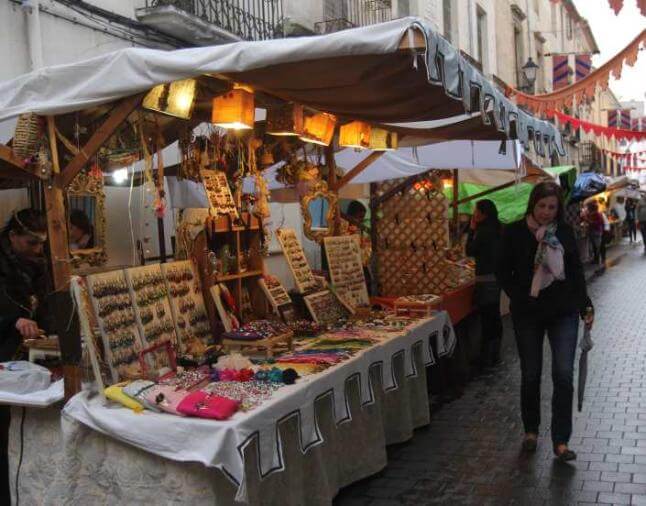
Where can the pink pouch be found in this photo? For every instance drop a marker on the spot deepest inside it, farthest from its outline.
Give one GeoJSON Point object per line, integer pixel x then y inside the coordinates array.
{"type": "Point", "coordinates": [166, 398]}
{"type": "Point", "coordinates": [204, 405]}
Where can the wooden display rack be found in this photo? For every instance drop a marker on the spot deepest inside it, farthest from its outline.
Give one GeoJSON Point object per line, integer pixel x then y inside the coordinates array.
{"type": "Point", "coordinates": [235, 281]}
{"type": "Point", "coordinates": [268, 345]}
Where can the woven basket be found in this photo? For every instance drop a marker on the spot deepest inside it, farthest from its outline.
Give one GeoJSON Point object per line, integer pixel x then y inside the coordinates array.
{"type": "Point", "coordinates": [28, 134]}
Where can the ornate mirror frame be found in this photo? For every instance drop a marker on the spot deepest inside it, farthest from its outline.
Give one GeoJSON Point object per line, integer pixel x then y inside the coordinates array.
{"type": "Point", "coordinates": [319, 190]}
{"type": "Point", "coordinates": [87, 185]}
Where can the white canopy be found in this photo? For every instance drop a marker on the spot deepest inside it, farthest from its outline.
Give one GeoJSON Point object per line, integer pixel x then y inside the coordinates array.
{"type": "Point", "coordinates": [360, 73]}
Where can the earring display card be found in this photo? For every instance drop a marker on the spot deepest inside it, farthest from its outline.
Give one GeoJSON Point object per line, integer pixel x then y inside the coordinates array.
{"type": "Point", "coordinates": [346, 269]}
{"type": "Point", "coordinates": [275, 292]}
{"type": "Point", "coordinates": [218, 192]}
{"type": "Point", "coordinates": [325, 308]}
{"type": "Point", "coordinates": [187, 303]}
{"type": "Point", "coordinates": [152, 309]}
{"type": "Point", "coordinates": [296, 260]}
{"type": "Point", "coordinates": [112, 303]}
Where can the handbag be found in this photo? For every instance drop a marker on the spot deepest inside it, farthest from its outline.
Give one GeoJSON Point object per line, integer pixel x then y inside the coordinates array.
{"type": "Point", "coordinates": [204, 405]}
{"type": "Point", "coordinates": [166, 398]}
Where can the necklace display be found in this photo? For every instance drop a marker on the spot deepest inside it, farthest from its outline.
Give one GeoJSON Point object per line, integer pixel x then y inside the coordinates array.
{"type": "Point", "coordinates": [112, 303]}
{"type": "Point", "coordinates": [187, 304]}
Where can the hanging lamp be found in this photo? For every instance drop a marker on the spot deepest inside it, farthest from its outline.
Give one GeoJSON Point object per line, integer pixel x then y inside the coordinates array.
{"type": "Point", "coordinates": [174, 99]}
{"type": "Point", "coordinates": [235, 109]}
{"type": "Point", "coordinates": [383, 140]}
{"type": "Point", "coordinates": [319, 128]}
{"type": "Point", "coordinates": [285, 120]}
{"type": "Point", "coordinates": [355, 135]}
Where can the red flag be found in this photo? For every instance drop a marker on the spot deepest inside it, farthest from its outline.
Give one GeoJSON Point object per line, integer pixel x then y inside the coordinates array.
{"type": "Point", "coordinates": [583, 65]}
{"type": "Point", "coordinates": [560, 71]}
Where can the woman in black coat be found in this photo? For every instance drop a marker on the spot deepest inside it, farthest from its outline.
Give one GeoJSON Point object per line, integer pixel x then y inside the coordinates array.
{"type": "Point", "coordinates": [540, 270]}
{"type": "Point", "coordinates": [482, 244]}
{"type": "Point", "coordinates": [23, 286]}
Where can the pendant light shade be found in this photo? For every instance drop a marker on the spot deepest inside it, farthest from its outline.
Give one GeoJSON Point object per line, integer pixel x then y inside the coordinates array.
{"type": "Point", "coordinates": [355, 135]}
{"type": "Point", "coordinates": [285, 120]}
{"type": "Point", "coordinates": [319, 128]}
{"type": "Point", "coordinates": [383, 140]}
{"type": "Point", "coordinates": [175, 99]}
{"type": "Point", "coordinates": [234, 110]}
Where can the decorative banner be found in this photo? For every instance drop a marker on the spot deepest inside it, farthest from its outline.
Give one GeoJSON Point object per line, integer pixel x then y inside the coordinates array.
{"type": "Point", "coordinates": [583, 65]}
{"type": "Point", "coordinates": [613, 118]}
{"type": "Point", "coordinates": [625, 119]}
{"type": "Point", "coordinates": [598, 130]}
{"type": "Point", "coordinates": [560, 71]}
{"type": "Point", "coordinates": [584, 89]}
{"type": "Point", "coordinates": [638, 124]}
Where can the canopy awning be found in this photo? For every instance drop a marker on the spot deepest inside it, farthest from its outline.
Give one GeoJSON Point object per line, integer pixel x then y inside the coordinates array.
{"type": "Point", "coordinates": [396, 72]}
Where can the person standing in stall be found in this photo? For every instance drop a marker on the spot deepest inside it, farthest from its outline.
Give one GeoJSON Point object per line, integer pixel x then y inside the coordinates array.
{"type": "Point", "coordinates": [483, 241]}
{"type": "Point", "coordinates": [631, 219]}
{"type": "Point", "coordinates": [24, 283]}
{"type": "Point", "coordinates": [540, 270]}
{"type": "Point", "coordinates": [353, 224]}
{"type": "Point", "coordinates": [641, 218]}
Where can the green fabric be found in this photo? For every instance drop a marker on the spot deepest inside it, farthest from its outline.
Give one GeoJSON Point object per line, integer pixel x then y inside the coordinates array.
{"type": "Point", "coordinates": [512, 201]}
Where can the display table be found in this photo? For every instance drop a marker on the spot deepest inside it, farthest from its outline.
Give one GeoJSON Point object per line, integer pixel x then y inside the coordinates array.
{"type": "Point", "coordinates": [457, 303]}
{"type": "Point", "coordinates": [39, 416]}
{"type": "Point", "coordinates": [312, 438]}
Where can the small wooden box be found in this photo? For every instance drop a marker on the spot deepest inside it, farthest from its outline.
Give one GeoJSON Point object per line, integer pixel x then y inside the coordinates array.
{"type": "Point", "coordinates": [419, 306]}
{"type": "Point", "coordinates": [267, 346]}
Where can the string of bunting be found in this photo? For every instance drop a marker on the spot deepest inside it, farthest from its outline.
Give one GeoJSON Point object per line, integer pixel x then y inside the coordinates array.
{"type": "Point", "coordinates": [584, 89]}
{"type": "Point", "coordinates": [625, 156]}
{"type": "Point", "coordinates": [598, 130]}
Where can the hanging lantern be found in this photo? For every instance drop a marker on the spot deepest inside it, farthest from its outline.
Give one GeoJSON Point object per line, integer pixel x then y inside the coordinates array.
{"type": "Point", "coordinates": [447, 182]}
{"type": "Point", "coordinates": [285, 120]}
{"type": "Point", "coordinates": [319, 128]}
{"type": "Point", "coordinates": [235, 109]}
{"type": "Point", "coordinates": [383, 140]}
{"type": "Point", "coordinates": [355, 135]}
{"type": "Point", "coordinates": [175, 99]}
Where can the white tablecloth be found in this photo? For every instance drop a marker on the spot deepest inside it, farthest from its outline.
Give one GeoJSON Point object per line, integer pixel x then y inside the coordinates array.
{"type": "Point", "coordinates": [40, 399]}
{"type": "Point", "coordinates": [222, 444]}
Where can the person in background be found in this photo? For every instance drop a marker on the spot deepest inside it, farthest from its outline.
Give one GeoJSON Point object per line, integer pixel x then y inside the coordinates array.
{"type": "Point", "coordinates": [81, 230]}
{"type": "Point", "coordinates": [606, 238]}
{"type": "Point", "coordinates": [631, 220]}
{"type": "Point", "coordinates": [23, 286]}
{"type": "Point", "coordinates": [641, 218]}
{"type": "Point", "coordinates": [595, 223]}
{"type": "Point", "coordinates": [540, 270]}
{"type": "Point", "coordinates": [482, 244]}
{"type": "Point", "coordinates": [352, 224]}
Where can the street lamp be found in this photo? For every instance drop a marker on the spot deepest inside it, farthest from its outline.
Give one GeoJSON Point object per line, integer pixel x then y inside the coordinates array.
{"type": "Point", "coordinates": [529, 71]}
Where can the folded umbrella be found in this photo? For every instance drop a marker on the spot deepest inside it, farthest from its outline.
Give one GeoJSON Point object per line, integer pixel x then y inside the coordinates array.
{"type": "Point", "coordinates": [586, 345]}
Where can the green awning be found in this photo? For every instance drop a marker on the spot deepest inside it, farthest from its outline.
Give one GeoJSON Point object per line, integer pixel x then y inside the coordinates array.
{"type": "Point", "coordinates": [512, 201]}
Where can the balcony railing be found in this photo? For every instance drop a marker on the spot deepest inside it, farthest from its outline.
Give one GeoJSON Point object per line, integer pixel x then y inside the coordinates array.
{"type": "Point", "coordinates": [248, 19]}
{"type": "Point", "coordinates": [342, 14]}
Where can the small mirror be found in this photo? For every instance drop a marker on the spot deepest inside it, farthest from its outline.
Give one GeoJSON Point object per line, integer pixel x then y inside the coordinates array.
{"type": "Point", "coordinates": [318, 207]}
{"type": "Point", "coordinates": [82, 217]}
{"type": "Point", "coordinates": [86, 220]}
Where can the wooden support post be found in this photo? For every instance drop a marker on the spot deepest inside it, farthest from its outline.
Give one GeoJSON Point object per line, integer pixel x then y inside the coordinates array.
{"type": "Point", "coordinates": [456, 216]}
{"type": "Point", "coordinates": [118, 115]}
{"type": "Point", "coordinates": [374, 286]}
{"type": "Point", "coordinates": [57, 231]}
{"type": "Point", "coordinates": [331, 167]}
{"type": "Point", "coordinates": [51, 132]}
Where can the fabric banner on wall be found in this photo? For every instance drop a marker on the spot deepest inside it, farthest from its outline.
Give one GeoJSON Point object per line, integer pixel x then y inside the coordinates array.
{"type": "Point", "coordinates": [560, 71]}
{"type": "Point", "coordinates": [583, 65]}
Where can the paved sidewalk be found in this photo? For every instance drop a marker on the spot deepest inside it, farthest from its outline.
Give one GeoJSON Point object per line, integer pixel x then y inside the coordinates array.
{"type": "Point", "coordinates": [469, 454]}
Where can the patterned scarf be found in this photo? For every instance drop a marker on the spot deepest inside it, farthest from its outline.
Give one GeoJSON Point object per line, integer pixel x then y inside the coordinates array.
{"type": "Point", "coordinates": [548, 261]}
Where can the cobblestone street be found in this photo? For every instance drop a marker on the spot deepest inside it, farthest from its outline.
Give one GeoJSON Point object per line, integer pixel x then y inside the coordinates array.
{"type": "Point", "coordinates": [469, 454]}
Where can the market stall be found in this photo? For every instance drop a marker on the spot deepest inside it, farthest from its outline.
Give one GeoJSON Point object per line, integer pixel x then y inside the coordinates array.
{"type": "Point", "coordinates": [206, 370]}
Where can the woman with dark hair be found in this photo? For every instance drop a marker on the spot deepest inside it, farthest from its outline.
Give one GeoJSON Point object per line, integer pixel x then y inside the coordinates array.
{"type": "Point", "coordinates": [595, 222]}
{"type": "Point", "coordinates": [81, 230]}
{"type": "Point", "coordinates": [539, 268]}
{"type": "Point", "coordinates": [23, 285]}
{"type": "Point", "coordinates": [482, 244]}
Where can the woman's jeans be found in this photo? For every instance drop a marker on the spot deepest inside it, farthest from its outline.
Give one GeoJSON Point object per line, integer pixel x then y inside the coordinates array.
{"type": "Point", "coordinates": [562, 333]}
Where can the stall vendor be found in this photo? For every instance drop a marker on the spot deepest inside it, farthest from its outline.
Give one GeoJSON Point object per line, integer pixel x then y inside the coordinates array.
{"type": "Point", "coordinates": [81, 231]}
{"type": "Point", "coordinates": [352, 224]}
{"type": "Point", "coordinates": [23, 283]}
